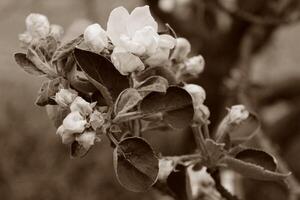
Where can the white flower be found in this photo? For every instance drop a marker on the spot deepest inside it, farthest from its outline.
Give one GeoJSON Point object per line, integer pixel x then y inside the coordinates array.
{"type": "Point", "coordinates": [74, 123]}
{"type": "Point", "coordinates": [201, 114]}
{"type": "Point", "coordinates": [87, 139]}
{"type": "Point", "coordinates": [237, 114]}
{"type": "Point", "coordinates": [95, 38]}
{"type": "Point", "coordinates": [37, 25]}
{"type": "Point", "coordinates": [166, 166]}
{"type": "Point", "coordinates": [182, 49]}
{"type": "Point", "coordinates": [82, 106]}
{"type": "Point", "coordinates": [96, 120]}
{"type": "Point", "coordinates": [197, 92]}
{"type": "Point", "coordinates": [194, 65]}
{"type": "Point", "coordinates": [167, 5]}
{"type": "Point", "coordinates": [135, 32]}
{"type": "Point", "coordinates": [65, 97]}
{"type": "Point", "coordinates": [126, 62]}
{"type": "Point", "coordinates": [56, 31]}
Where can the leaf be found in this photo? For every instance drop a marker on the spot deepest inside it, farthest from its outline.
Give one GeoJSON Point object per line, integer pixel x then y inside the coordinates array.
{"type": "Point", "coordinates": [135, 164]}
{"type": "Point", "coordinates": [127, 100]}
{"type": "Point", "coordinates": [251, 170]}
{"type": "Point", "coordinates": [152, 84]}
{"type": "Point", "coordinates": [66, 49]}
{"type": "Point", "coordinates": [215, 152]}
{"type": "Point", "coordinates": [48, 90]}
{"type": "Point", "coordinates": [258, 157]}
{"type": "Point", "coordinates": [77, 150]}
{"type": "Point", "coordinates": [35, 58]}
{"type": "Point", "coordinates": [102, 73]}
{"type": "Point", "coordinates": [238, 133]}
{"type": "Point", "coordinates": [27, 65]}
{"type": "Point", "coordinates": [176, 105]}
{"type": "Point", "coordinates": [47, 46]}
{"type": "Point", "coordinates": [157, 71]}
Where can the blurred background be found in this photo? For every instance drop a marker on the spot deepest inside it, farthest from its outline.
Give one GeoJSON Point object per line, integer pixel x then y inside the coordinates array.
{"type": "Point", "coordinates": [255, 43]}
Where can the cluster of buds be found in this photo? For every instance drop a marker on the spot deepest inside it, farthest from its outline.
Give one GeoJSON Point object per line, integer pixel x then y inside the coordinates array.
{"type": "Point", "coordinates": [83, 121]}
{"type": "Point", "coordinates": [37, 27]}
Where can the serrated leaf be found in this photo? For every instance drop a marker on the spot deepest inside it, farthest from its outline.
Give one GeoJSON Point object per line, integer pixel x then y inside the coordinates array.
{"type": "Point", "coordinates": [101, 73]}
{"type": "Point", "coordinates": [251, 170]}
{"type": "Point", "coordinates": [157, 71]}
{"type": "Point", "coordinates": [152, 84]}
{"type": "Point", "coordinates": [127, 100]}
{"type": "Point", "coordinates": [258, 157]}
{"type": "Point", "coordinates": [66, 49]}
{"type": "Point", "coordinates": [135, 164]}
{"type": "Point", "coordinates": [176, 105]}
{"type": "Point", "coordinates": [27, 65]}
{"type": "Point", "coordinates": [77, 150]}
{"type": "Point", "coordinates": [238, 133]}
{"type": "Point", "coordinates": [48, 90]}
{"type": "Point", "coordinates": [215, 152]}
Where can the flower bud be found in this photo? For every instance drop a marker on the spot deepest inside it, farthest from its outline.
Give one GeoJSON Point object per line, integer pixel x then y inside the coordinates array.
{"type": "Point", "coordinates": [73, 123]}
{"type": "Point", "coordinates": [96, 120]}
{"type": "Point", "coordinates": [87, 139]}
{"type": "Point", "coordinates": [25, 39]}
{"type": "Point", "coordinates": [197, 92]}
{"type": "Point", "coordinates": [67, 138]}
{"type": "Point", "coordinates": [82, 106]}
{"type": "Point", "coordinates": [126, 62]}
{"type": "Point", "coordinates": [167, 5]}
{"type": "Point", "coordinates": [65, 97]}
{"type": "Point", "coordinates": [237, 114]}
{"type": "Point", "coordinates": [37, 25]}
{"type": "Point", "coordinates": [201, 114]}
{"type": "Point", "coordinates": [56, 31]}
{"type": "Point", "coordinates": [166, 166]}
{"type": "Point", "coordinates": [95, 38]}
{"type": "Point", "coordinates": [194, 65]}
{"type": "Point", "coordinates": [159, 58]}
{"type": "Point", "coordinates": [182, 49]}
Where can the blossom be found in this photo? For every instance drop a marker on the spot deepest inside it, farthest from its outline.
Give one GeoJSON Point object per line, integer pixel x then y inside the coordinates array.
{"type": "Point", "coordinates": [182, 49]}
{"type": "Point", "coordinates": [237, 114]}
{"type": "Point", "coordinates": [73, 123]}
{"type": "Point", "coordinates": [194, 65]}
{"type": "Point", "coordinates": [167, 5]}
{"type": "Point", "coordinates": [37, 25]}
{"type": "Point", "coordinates": [87, 139]}
{"type": "Point", "coordinates": [197, 92]}
{"type": "Point", "coordinates": [126, 62]}
{"type": "Point", "coordinates": [95, 38]}
{"type": "Point", "coordinates": [56, 31]}
{"type": "Point", "coordinates": [96, 120]}
{"type": "Point", "coordinates": [65, 97]}
{"type": "Point", "coordinates": [166, 166]}
{"type": "Point", "coordinates": [82, 106]}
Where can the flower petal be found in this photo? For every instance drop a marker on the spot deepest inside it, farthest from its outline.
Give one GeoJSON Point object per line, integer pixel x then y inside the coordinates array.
{"type": "Point", "coordinates": [116, 24]}
{"type": "Point", "coordinates": [139, 18]}
{"type": "Point", "coordinates": [166, 41]}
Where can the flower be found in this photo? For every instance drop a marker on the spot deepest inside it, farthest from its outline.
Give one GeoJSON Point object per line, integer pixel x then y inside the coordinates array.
{"type": "Point", "coordinates": [96, 120]}
{"type": "Point", "coordinates": [166, 166]}
{"type": "Point", "coordinates": [65, 97]}
{"type": "Point", "coordinates": [82, 106]}
{"type": "Point", "coordinates": [95, 38]}
{"type": "Point", "coordinates": [37, 25]}
{"type": "Point", "coordinates": [237, 114]}
{"type": "Point", "coordinates": [126, 62]}
{"type": "Point", "coordinates": [87, 139]}
{"type": "Point", "coordinates": [194, 65]}
{"type": "Point", "coordinates": [167, 5]}
{"type": "Point", "coordinates": [73, 123]}
{"type": "Point", "coordinates": [197, 92]}
{"type": "Point", "coordinates": [182, 49]}
{"type": "Point", "coordinates": [56, 31]}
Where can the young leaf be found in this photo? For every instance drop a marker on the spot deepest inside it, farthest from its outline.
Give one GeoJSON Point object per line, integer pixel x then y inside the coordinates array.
{"type": "Point", "coordinates": [101, 72]}
{"type": "Point", "coordinates": [66, 49]}
{"type": "Point", "coordinates": [135, 164]}
{"type": "Point", "coordinates": [258, 157]}
{"type": "Point", "coordinates": [27, 65]}
{"type": "Point", "coordinates": [176, 105]}
{"type": "Point", "coordinates": [215, 152]}
{"type": "Point", "coordinates": [153, 84]}
{"type": "Point", "coordinates": [77, 150]}
{"type": "Point", "coordinates": [251, 170]}
{"type": "Point", "coordinates": [48, 91]}
{"type": "Point", "coordinates": [127, 99]}
{"type": "Point", "coordinates": [157, 71]}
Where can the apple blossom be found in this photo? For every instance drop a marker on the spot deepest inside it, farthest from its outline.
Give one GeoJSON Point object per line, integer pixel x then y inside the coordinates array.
{"type": "Point", "coordinates": [56, 31]}
{"type": "Point", "coordinates": [73, 123]}
{"type": "Point", "coordinates": [237, 114]}
{"type": "Point", "coordinates": [182, 49]}
{"type": "Point", "coordinates": [65, 97]}
{"type": "Point", "coordinates": [95, 38]}
{"type": "Point", "coordinates": [37, 25]}
{"type": "Point", "coordinates": [87, 139]}
{"type": "Point", "coordinates": [167, 5]}
{"type": "Point", "coordinates": [194, 65]}
{"type": "Point", "coordinates": [126, 62]}
{"type": "Point", "coordinates": [82, 106]}
{"type": "Point", "coordinates": [197, 92]}
{"type": "Point", "coordinates": [166, 166]}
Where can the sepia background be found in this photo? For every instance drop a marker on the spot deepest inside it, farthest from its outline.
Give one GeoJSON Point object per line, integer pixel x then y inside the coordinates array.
{"type": "Point", "coordinates": [35, 165]}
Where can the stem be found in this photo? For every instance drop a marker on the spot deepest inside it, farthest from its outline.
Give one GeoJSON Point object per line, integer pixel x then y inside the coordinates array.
{"type": "Point", "coordinates": [136, 127]}
{"type": "Point", "coordinates": [206, 131]}
{"type": "Point", "coordinates": [128, 116]}
{"type": "Point", "coordinates": [112, 139]}
{"type": "Point", "coordinates": [199, 140]}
